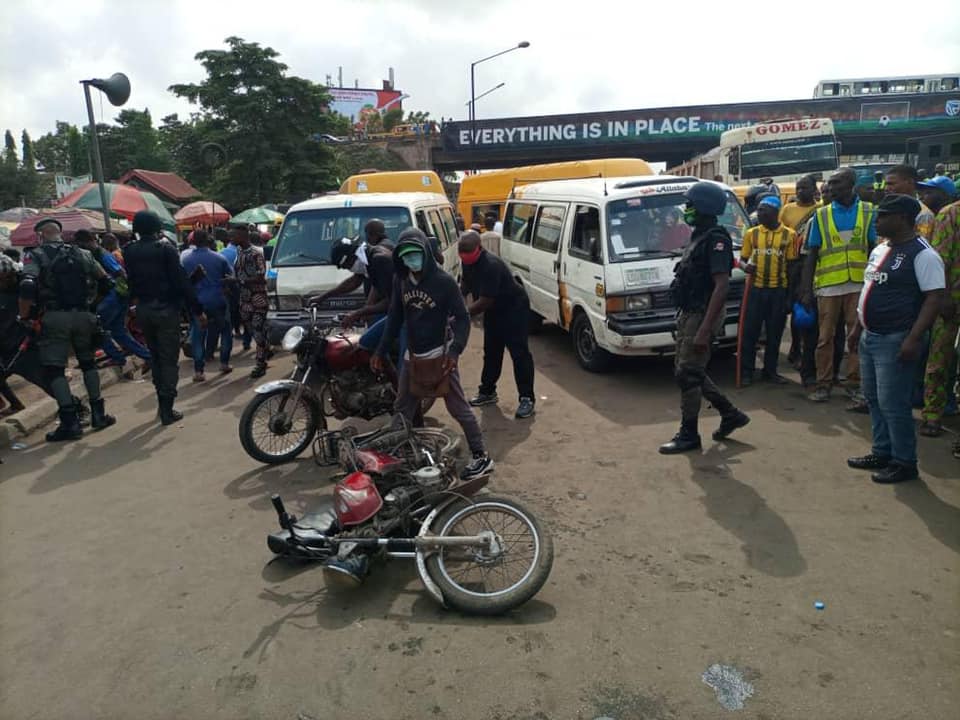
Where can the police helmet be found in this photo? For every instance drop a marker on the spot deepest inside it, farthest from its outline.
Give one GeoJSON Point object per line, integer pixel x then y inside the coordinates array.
{"type": "Point", "coordinates": [146, 222]}
{"type": "Point", "coordinates": [707, 198]}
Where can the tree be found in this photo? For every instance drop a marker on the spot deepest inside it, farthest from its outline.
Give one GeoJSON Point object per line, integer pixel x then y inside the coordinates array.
{"type": "Point", "coordinates": [29, 181]}
{"type": "Point", "coordinates": [417, 117]}
{"type": "Point", "coordinates": [63, 151]}
{"type": "Point", "coordinates": [392, 118]}
{"type": "Point", "coordinates": [266, 122]}
{"type": "Point", "coordinates": [132, 143]}
{"type": "Point", "coordinates": [10, 160]}
{"type": "Point", "coordinates": [29, 161]}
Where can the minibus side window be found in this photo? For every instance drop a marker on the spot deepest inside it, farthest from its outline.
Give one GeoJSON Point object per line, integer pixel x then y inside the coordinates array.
{"type": "Point", "coordinates": [546, 237]}
{"type": "Point", "coordinates": [585, 241]}
{"type": "Point", "coordinates": [518, 222]}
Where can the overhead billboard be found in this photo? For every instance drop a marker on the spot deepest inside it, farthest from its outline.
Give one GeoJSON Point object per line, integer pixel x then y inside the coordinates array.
{"type": "Point", "coordinates": [355, 103]}
{"type": "Point", "coordinates": [911, 114]}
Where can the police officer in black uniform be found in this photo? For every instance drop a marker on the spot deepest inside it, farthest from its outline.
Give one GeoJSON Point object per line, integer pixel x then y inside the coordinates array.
{"type": "Point", "coordinates": [702, 278]}
{"type": "Point", "coordinates": [60, 282]}
{"type": "Point", "coordinates": [160, 284]}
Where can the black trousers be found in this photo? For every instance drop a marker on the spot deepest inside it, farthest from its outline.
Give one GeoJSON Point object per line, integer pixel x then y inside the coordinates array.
{"type": "Point", "coordinates": [507, 330]}
{"type": "Point", "coordinates": [161, 329]}
{"type": "Point", "coordinates": [765, 306]}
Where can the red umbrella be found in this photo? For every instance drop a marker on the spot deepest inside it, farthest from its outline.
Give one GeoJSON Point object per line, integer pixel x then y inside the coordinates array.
{"type": "Point", "coordinates": [205, 212]}
{"type": "Point", "coordinates": [72, 220]}
{"type": "Point", "coordinates": [121, 200]}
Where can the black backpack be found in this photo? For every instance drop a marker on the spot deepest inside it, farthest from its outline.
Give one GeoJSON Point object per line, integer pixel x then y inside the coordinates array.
{"type": "Point", "coordinates": [68, 279]}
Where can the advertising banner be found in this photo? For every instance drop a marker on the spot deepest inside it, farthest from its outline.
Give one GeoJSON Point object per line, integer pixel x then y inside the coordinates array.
{"type": "Point", "coordinates": [910, 114]}
{"type": "Point", "coordinates": [354, 104]}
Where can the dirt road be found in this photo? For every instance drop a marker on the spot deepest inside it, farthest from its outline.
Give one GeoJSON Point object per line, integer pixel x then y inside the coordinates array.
{"type": "Point", "coordinates": [134, 580]}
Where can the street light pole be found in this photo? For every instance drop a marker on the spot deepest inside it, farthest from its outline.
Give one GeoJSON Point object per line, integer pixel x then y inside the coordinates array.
{"type": "Point", "coordinates": [482, 95]}
{"type": "Point", "coordinates": [473, 88]}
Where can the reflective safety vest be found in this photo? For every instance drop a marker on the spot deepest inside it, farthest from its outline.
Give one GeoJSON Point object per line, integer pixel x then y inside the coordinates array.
{"type": "Point", "coordinates": [843, 254]}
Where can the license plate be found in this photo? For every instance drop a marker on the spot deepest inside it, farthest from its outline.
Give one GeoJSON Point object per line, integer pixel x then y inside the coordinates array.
{"type": "Point", "coordinates": [642, 276]}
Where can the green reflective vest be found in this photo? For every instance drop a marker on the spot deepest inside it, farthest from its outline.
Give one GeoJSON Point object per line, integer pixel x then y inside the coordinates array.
{"type": "Point", "coordinates": [843, 254]}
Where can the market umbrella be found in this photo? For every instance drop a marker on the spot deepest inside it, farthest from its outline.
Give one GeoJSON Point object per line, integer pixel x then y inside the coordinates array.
{"type": "Point", "coordinates": [17, 214]}
{"type": "Point", "coordinates": [122, 200]}
{"type": "Point", "coordinates": [205, 212]}
{"type": "Point", "coordinates": [258, 216]}
{"type": "Point", "coordinates": [72, 220]}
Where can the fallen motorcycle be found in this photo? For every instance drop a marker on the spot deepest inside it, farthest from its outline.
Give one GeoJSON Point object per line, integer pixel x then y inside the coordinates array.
{"type": "Point", "coordinates": [331, 378]}
{"type": "Point", "coordinates": [477, 554]}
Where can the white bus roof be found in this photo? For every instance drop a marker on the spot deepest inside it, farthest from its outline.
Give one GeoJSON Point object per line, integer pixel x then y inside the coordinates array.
{"type": "Point", "coordinates": [889, 77]}
{"type": "Point", "coordinates": [398, 199]}
{"type": "Point", "coordinates": [602, 188]}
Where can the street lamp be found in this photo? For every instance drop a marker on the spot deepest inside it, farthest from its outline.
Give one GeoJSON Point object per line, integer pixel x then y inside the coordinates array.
{"type": "Point", "coordinates": [473, 86]}
{"type": "Point", "coordinates": [484, 94]}
{"type": "Point", "coordinates": [117, 89]}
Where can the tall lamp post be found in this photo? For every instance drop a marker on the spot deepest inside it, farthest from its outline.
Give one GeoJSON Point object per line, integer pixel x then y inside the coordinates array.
{"type": "Point", "coordinates": [117, 89]}
{"type": "Point", "coordinates": [473, 88]}
{"type": "Point", "coordinates": [484, 94]}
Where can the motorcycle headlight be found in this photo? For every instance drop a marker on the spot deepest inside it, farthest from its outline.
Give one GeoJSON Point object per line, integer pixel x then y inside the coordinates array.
{"type": "Point", "coordinates": [292, 338]}
{"type": "Point", "coordinates": [638, 302]}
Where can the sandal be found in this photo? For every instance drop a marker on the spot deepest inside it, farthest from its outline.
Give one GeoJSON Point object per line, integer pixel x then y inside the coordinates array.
{"type": "Point", "coordinates": [931, 428]}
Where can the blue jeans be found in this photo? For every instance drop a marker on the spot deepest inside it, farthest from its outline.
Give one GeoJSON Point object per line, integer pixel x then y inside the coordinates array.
{"type": "Point", "coordinates": [204, 342]}
{"type": "Point", "coordinates": [888, 385]}
{"type": "Point", "coordinates": [112, 312]}
{"type": "Point", "coordinates": [370, 340]}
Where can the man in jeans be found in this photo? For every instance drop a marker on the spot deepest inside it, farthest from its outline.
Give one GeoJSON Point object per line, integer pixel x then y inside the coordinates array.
{"type": "Point", "coordinates": [839, 240]}
{"type": "Point", "coordinates": [902, 295]}
{"type": "Point", "coordinates": [207, 270]}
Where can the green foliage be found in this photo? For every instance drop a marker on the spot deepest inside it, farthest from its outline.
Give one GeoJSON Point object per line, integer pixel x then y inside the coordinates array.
{"type": "Point", "coordinates": [64, 151]}
{"type": "Point", "coordinates": [29, 161]}
{"type": "Point", "coordinates": [132, 143]}
{"type": "Point", "coordinates": [266, 121]}
{"type": "Point", "coordinates": [351, 158]}
{"type": "Point", "coordinates": [20, 183]}
{"type": "Point", "coordinates": [392, 118]}
{"type": "Point", "coordinates": [417, 116]}
{"type": "Point", "coordinates": [9, 151]}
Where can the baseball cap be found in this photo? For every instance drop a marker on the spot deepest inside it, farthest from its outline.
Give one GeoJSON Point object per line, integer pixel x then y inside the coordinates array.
{"type": "Point", "coordinates": [941, 182]}
{"type": "Point", "coordinates": [899, 205]}
{"type": "Point", "coordinates": [408, 248]}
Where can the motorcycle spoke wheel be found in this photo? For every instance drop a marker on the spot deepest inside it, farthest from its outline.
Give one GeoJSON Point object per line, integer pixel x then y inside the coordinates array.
{"type": "Point", "coordinates": [272, 431]}
{"type": "Point", "coordinates": [479, 581]}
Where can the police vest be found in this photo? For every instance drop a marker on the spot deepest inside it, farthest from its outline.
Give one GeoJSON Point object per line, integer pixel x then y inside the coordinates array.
{"type": "Point", "coordinates": [843, 254]}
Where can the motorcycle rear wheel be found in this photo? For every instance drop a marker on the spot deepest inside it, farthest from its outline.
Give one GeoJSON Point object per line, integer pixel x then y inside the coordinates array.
{"type": "Point", "coordinates": [473, 583]}
{"type": "Point", "coordinates": [440, 443]}
{"type": "Point", "coordinates": [258, 426]}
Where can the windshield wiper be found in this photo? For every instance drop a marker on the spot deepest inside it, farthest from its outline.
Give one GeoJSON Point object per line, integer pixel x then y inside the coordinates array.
{"type": "Point", "coordinates": [305, 256]}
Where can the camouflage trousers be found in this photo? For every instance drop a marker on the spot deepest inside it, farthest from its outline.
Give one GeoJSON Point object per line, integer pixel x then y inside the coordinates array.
{"type": "Point", "coordinates": [941, 365]}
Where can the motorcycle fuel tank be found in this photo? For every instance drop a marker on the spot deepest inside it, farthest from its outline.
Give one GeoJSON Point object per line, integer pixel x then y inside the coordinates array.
{"type": "Point", "coordinates": [343, 352]}
{"type": "Point", "coordinates": [356, 499]}
{"type": "Point", "coordinates": [380, 463]}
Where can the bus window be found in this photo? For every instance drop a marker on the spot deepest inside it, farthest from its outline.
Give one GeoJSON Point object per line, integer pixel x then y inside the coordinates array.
{"type": "Point", "coordinates": [446, 217]}
{"type": "Point", "coordinates": [517, 223]}
{"type": "Point", "coordinates": [439, 231]}
{"type": "Point", "coordinates": [547, 235]}
{"type": "Point", "coordinates": [480, 212]}
{"type": "Point", "coordinates": [422, 223]}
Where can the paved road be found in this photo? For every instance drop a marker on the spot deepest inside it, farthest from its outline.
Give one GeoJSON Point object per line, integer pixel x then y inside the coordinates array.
{"type": "Point", "coordinates": [135, 583]}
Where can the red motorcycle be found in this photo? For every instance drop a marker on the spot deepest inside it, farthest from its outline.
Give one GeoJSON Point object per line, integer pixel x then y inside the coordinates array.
{"type": "Point", "coordinates": [478, 554]}
{"type": "Point", "coordinates": [332, 379]}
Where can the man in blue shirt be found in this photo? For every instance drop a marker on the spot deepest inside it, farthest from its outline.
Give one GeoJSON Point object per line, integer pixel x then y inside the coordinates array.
{"type": "Point", "coordinates": [207, 271]}
{"type": "Point", "coordinates": [112, 309]}
{"type": "Point", "coordinates": [229, 251]}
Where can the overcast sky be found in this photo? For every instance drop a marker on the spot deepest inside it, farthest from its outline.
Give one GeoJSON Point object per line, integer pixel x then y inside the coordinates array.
{"type": "Point", "coordinates": [590, 56]}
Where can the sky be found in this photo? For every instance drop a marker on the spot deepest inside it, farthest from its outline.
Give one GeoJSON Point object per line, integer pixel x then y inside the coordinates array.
{"type": "Point", "coordinates": [602, 55]}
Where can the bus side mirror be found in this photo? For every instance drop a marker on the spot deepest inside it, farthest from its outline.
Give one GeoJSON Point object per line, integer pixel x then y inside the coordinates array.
{"type": "Point", "coordinates": [593, 247]}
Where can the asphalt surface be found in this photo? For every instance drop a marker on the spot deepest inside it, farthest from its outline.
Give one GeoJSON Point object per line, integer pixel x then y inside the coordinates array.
{"type": "Point", "coordinates": [134, 575]}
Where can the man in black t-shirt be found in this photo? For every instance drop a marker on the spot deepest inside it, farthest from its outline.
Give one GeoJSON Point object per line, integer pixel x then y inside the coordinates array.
{"type": "Point", "coordinates": [506, 317]}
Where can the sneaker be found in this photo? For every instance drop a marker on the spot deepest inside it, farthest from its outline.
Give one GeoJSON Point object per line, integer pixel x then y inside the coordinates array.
{"type": "Point", "coordinates": [480, 466]}
{"type": "Point", "coordinates": [525, 409]}
{"type": "Point", "coordinates": [481, 399]}
{"type": "Point", "coordinates": [820, 395]}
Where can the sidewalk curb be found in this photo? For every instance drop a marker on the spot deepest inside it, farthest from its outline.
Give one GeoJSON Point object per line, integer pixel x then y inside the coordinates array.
{"type": "Point", "coordinates": [45, 411]}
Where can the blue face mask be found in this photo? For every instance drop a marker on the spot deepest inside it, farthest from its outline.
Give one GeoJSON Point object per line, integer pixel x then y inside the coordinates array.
{"type": "Point", "coordinates": [414, 261]}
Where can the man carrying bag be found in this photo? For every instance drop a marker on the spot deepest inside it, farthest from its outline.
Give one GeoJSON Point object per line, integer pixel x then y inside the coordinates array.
{"type": "Point", "coordinates": [427, 302]}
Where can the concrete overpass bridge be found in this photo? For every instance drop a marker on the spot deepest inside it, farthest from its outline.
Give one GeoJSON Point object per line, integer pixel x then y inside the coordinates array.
{"type": "Point", "coordinates": [865, 125]}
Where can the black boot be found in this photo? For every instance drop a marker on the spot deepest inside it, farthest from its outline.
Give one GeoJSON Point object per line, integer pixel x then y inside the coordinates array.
{"type": "Point", "coordinates": [168, 415]}
{"type": "Point", "coordinates": [730, 421]}
{"type": "Point", "coordinates": [83, 414]}
{"type": "Point", "coordinates": [687, 439]}
{"type": "Point", "coordinates": [69, 428]}
{"type": "Point", "coordinates": [98, 416]}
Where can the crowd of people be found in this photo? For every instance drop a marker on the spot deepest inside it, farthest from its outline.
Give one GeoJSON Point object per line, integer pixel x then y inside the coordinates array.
{"type": "Point", "coordinates": [867, 271]}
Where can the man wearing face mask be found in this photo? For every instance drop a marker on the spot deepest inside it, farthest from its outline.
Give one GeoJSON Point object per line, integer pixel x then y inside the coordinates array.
{"type": "Point", "coordinates": [428, 305]}
{"type": "Point", "coordinates": [702, 278]}
{"type": "Point", "coordinates": [506, 321]}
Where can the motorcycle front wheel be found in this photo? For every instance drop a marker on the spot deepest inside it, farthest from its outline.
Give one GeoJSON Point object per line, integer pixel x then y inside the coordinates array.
{"type": "Point", "coordinates": [272, 431]}
{"type": "Point", "coordinates": [475, 581]}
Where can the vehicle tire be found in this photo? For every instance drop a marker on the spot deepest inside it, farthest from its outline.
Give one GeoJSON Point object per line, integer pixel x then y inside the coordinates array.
{"type": "Point", "coordinates": [439, 442]}
{"type": "Point", "coordinates": [487, 512]}
{"type": "Point", "coordinates": [536, 323]}
{"type": "Point", "coordinates": [262, 420]}
{"type": "Point", "coordinates": [591, 356]}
